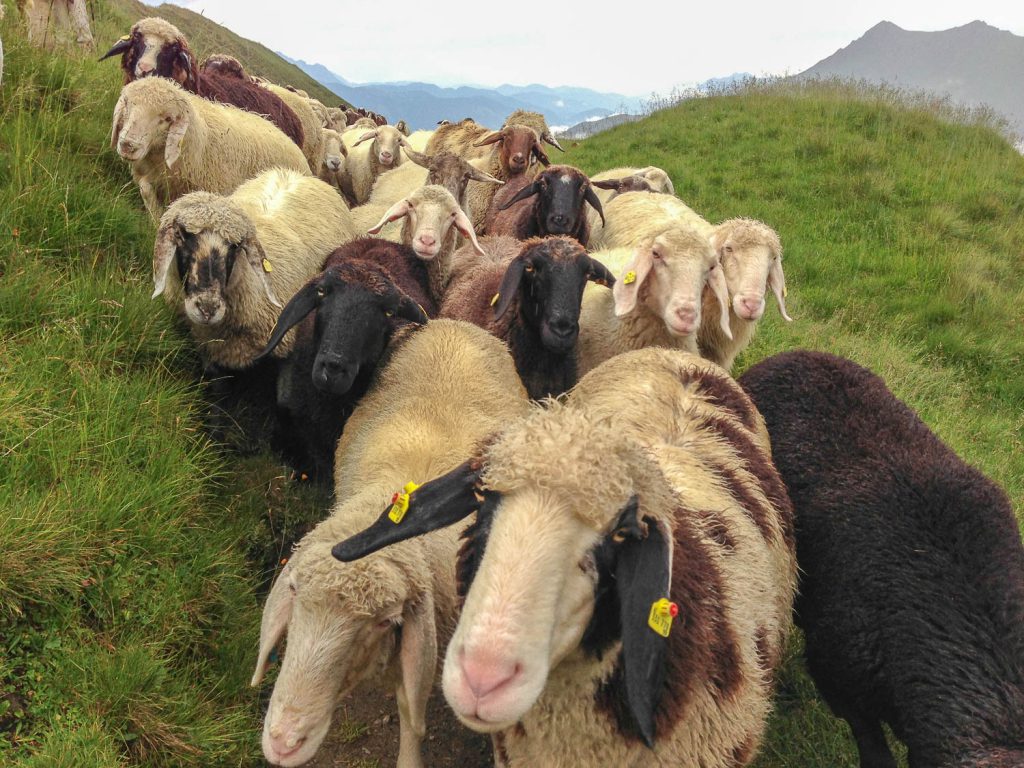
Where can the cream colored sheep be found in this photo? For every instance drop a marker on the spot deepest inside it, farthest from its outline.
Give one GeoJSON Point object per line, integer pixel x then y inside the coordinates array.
{"type": "Point", "coordinates": [333, 165]}
{"type": "Point", "coordinates": [649, 179]}
{"type": "Point", "coordinates": [751, 257]}
{"type": "Point", "coordinates": [651, 482]}
{"type": "Point", "coordinates": [371, 153]}
{"type": "Point", "coordinates": [282, 224]}
{"type": "Point", "coordinates": [418, 140]}
{"type": "Point", "coordinates": [177, 142]}
{"type": "Point", "coordinates": [336, 119]}
{"type": "Point", "coordinates": [432, 220]}
{"type": "Point", "coordinates": [382, 620]}
{"type": "Point", "coordinates": [661, 265]}
{"type": "Point", "coordinates": [312, 141]}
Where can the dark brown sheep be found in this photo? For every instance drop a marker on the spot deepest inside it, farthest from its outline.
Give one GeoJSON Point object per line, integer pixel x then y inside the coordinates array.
{"type": "Point", "coordinates": [527, 294]}
{"type": "Point", "coordinates": [551, 204]}
{"type": "Point", "coordinates": [156, 48]}
{"type": "Point", "coordinates": [912, 593]}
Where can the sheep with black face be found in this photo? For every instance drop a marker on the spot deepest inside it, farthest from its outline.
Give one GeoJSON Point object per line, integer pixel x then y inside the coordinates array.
{"type": "Point", "coordinates": [529, 295]}
{"type": "Point", "coordinates": [346, 317]}
{"type": "Point", "coordinates": [551, 204]}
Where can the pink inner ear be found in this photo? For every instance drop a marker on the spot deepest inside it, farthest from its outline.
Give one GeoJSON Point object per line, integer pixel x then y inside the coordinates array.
{"type": "Point", "coordinates": [626, 294]}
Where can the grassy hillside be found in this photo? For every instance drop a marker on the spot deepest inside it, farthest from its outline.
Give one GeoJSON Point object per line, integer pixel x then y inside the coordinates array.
{"type": "Point", "coordinates": [903, 236]}
{"type": "Point", "coordinates": [133, 549]}
{"type": "Point", "coordinates": [206, 37]}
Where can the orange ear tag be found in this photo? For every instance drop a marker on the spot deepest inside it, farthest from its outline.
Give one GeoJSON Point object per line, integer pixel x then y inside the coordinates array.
{"type": "Point", "coordinates": [629, 278]}
{"type": "Point", "coordinates": [400, 503]}
{"type": "Point", "coordinates": [662, 613]}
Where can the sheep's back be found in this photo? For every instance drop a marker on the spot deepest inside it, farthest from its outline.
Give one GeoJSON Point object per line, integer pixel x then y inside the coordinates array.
{"type": "Point", "coordinates": [250, 97]}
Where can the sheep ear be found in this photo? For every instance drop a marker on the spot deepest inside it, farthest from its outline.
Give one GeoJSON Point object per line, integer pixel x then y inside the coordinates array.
{"type": "Point", "coordinates": [403, 307]}
{"type": "Point", "coordinates": [300, 305]}
{"type": "Point", "coordinates": [476, 174]}
{"type": "Point", "coordinates": [118, 123]}
{"type": "Point", "coordinates": [365, 137]}
{"type": "Point", "coordinates": [716, 279]}
{"type": "Point", "coordinates": [437, 504]}
{"type": "Point", "coordinates": [175, 136]}
{"type": "Point", "coordinates": [777, 282]}
{"type": "Point", "coordinates": [528, 191]}
{"type": "Point", "coordinates": [591, 197]}
{"type": "Point", "coordinates": [615, 184]}
{"type": "Point", "coordinates": [257, 258]}
{"type": "Point", "coordinates": [418, 661]}
{"type": "Point", "coordinates": [465, 227]}
{"type": "Point", "coordinates": [509, 286]}
{"type": "Point", "coordinates": [600, 274]}
{"type": "Point", "coordinates": [552, 141]}
{"type": "Point", "coordinates": [627, 287]}
{"type": "Point", "coordinates": [643, 568]}
{"type": "Point", "coordinates": [396, 211]}
{"type": "Point", "coordinates": [166, 244]}
{"type": "Point", "coordinates": [276, 614]}
{"type": "Point", "coordinates": [491, 138]}
{"type": "Point", "coordinates": [417, 157]}
{"type": "Point", "coordinates": [122, 45]}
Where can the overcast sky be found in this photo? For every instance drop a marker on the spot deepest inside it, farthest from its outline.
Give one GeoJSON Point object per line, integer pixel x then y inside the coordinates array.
{"type": "Point", "coordinates": [648, 45]}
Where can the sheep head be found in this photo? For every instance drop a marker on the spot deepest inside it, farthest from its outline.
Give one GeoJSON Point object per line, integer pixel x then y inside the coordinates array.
{"type": "Point", "coordinates": [150, 114]}
{"type": "Point", "coordinates": [431, 213]}
{"type": "Point", "coordinates": [155, 47]}
{"type": "Point", "coordinates": [335, 151]}
{"type": "Point", "coordinates": [357, 309]}
{"type": "Point", "coordinates": [546, 281]}
{"type": "Point", "coordinates": [633, 183]}
{"type": "Point", "coordinates": [751, 258]}
{"type": "Point", "coordinates": [553, 565]}
{"type": "Point", "coordinates": [449, 171]}
{"type": "Point", "coordinates": [561, 192]}
{"type": "Point", "coordinates": [224, 65]}
{"type": "Point", "coordinates": [518, 148]}
{"type": "Point", "coordinates": [667, 275]}
{"type": "Point", "coordinates": [202, 235]}
{"type": "Point", "coordinates": [386, 142]}
{"type": "Point", "coordinates": [345, 623]}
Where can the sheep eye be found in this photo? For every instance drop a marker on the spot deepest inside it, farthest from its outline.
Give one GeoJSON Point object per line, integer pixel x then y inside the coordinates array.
{"type": "Point", "coordinates": [385, 624]}
{"type": "Point", "coordinates": [529, 267]}
{"type": "Point", "coordinates": [728, 249]}
{"type": "Point", "coordinates": [320, 292]}
{"type": "Point", "coordinates": [388, 313]}
{"type": "Point", "coordinates": [619, 536]}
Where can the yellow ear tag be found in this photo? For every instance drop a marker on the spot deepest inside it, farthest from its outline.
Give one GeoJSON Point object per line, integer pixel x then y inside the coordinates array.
{"type": "Point", "coordinates": [494, 300]}
{"type": "Point", "coordinates": [662, 613]}
{"type": "Point", "coordinates": [266, 266]}
{"type": "Point", "coordinates": [785, 292]}
{"type": "Point", "coordinates": [629, 278]}
{"type": "Point", "coordinates": [400, 503]}
{"type": "Point", "coordinates": [123, 38]}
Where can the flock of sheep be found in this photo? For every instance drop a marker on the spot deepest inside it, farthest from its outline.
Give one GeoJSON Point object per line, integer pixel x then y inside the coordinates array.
{"type": "Point", "coordinates": [459, 330]}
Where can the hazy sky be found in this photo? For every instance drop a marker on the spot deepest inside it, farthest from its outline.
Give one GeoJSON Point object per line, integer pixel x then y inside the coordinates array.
{"type": "Point", "coordinates": [647, 45]}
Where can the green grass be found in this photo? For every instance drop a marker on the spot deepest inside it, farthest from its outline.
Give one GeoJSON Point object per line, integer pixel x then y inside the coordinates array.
{"type": "Point", "coordinates": [903, 228]}
{"type": "Point", "coordinates": [133, 549]}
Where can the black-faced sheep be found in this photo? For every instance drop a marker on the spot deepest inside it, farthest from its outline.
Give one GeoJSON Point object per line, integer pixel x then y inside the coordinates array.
{"type": "Point", "coordinates": [381, 621]}
{"type": "Point", "coordinates": [628, 582]}
{"type": "Point", "coordinates": [226, 263]}
{"type": "Point", "coordinates": [527, 294]}
{"type": "Point", "coordinates": [177, 143]}
{"type": "Point", "coordinates": [551, 204]}
{"type": "Point", "coordinates": [155, 47]}
{"type": "Point", "coordinates": [912, 594]}
{"type": "Point", "coordinates": [346, 316]}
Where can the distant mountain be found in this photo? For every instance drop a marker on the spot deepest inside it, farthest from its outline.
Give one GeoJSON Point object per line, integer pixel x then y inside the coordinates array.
{"type": "Point", "coordinates": [974, 64]}
{"type": "Point", "coordinates": [422, 105]}
{"type": "Point", "coordinates": [588, 128]}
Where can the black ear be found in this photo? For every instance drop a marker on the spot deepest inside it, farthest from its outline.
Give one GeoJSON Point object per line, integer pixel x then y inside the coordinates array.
{"type": "Point", "coordinates": [300, 305]}
{"type": "Point", "coordinates": [120, 46]}
{"type": "Point", "coordinates": [607, 183]}
{"type": "Point", "coordinates": [509, 286]}
{"type": "Point", "coordinates": [400, 305]}
{"type": "Point", "coordinates": [642, 577]}
{"type": "Point", "coordinates": [591, 197]}
{"type": "Point", "coordinates": [439, 503]}
{"type": "Point", "coordinates": [600, 274]}
{"type": "Point", "coordinates": [528, 191]}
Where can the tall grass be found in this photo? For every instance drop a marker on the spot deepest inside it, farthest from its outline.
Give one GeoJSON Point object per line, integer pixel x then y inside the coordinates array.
{"type": "Point", "coordinates": [902, 221]}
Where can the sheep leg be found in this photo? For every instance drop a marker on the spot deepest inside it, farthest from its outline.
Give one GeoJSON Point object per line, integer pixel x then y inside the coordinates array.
{"type": "Point", "coordinates": [80, 23]}
{"type": "Point", "coordinates": [150, 199]}
{"type": "Point", "coordinates": [871, 744]}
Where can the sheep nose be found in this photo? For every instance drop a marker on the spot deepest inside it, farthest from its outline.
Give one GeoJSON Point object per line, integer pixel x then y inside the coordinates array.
{"type": "Point", "coordinates": [560, 219]}
{"type": "Point", "coordinates": [385, 157]}
{"type": "Point", "coordinates": [485, 673]}
{"type": "Point", "coordinates": [427, 240]}
{"type": "Point", "coordinates": [143, 68]}
{"type": "Point", "coordinates": [752, 307]}
{"type": "Point", "coordinates": [563, 326]}
{"type": "Point", "coordinates": [334, 164]}
{"type": "Point", "coordinates": [286, 744]}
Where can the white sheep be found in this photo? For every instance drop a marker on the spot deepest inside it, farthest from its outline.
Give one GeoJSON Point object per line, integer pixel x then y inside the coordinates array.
{"type": "Point", "coordinates": [751, 257]}
{"type": "Point", "coordinates": [312, 137]}
{"type": "Point", "coordinates": [610, 184]}
{"type": "Point", "coordinates": [432, 220]}
{"type": "Point", "coordinates": [662, 264]}
{"type": "Point", "coordinates": [384, 618]}
{"type": "Point", "coordinates": [628, 583]}
{"type": "Point", "coordinates": [177, 142]}
{"type": "Point", "coordinates": [336, 119]}
{"type": "Point", "coordinates": [242, 256]}
{"type": "Point", "coordinates": [333, 166]}
{"type": "Point", "coordinates": [371, 153]}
